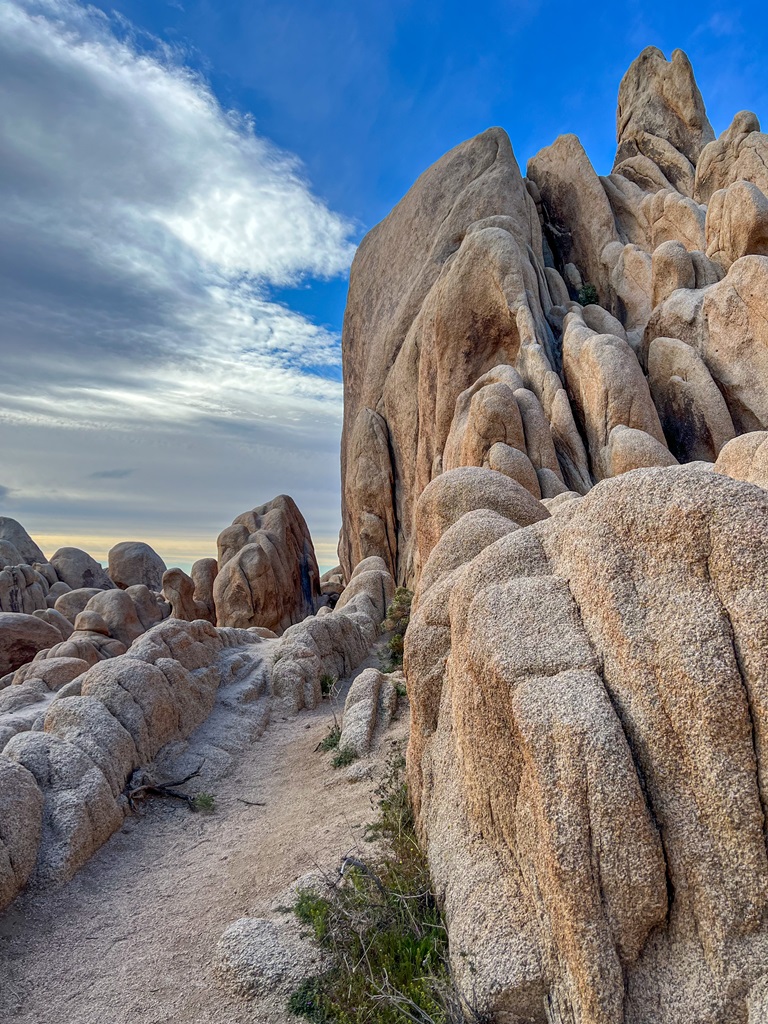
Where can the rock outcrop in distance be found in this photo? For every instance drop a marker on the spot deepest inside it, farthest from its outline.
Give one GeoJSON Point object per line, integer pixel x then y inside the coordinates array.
{"type": "Point", "coordinates": [266, 576]}
{"type": "Point", "coordinates": [555, 432]}
{"type": "Point", "coordinates": [267, 570]}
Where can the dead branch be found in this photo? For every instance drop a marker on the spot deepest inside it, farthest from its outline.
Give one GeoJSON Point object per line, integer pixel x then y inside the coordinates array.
{"type": "Point", "coordinates": [163, 789]}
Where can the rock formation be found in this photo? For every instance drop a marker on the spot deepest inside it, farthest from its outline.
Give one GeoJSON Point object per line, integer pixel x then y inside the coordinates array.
{"type": "Point", "coordinates": [78, 715]}
{"type": "Point", "coordinates": [585, 750]}
{"type": "Point", "coordinates": [268, 574]}
{"type": "Point", "coordinates": [126, 710]}
{"type": "Point", "coordinates": [179, 591]}
{"type": "Point", "coordinates": [14, 536]}
{"type": "Point", "coordinates": [334, 642]}
{"type": "Point", "coordinates": [527, 364]}
{"type": "Point", "coordinates": [21, 637]}
{"type": "Point", "coordinates": [746, 458]}
{"type": "Point", "coordinates": [368, 710]}
{"type": "Point", "coordinates": [77, 569]}
{"type": "Point", "coordinates": [204, 573]}
{"type": "Point", "coordinates": [464, 344]}
{"type": "Point", "coordinates": [23, 589]}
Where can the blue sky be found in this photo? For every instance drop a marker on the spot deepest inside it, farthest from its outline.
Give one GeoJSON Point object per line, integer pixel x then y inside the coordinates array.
{"type": "Point", "coordinates": [182, 183]}
{"type": "Point", "coordinates": [369, 94]}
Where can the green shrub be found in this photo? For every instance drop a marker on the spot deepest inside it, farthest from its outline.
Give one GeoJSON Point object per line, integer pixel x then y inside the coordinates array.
{"type": "Point", "coordinates": [396, 646]}
{"type": "Point", "coordinates": [308, 1001]}
{"type": "Point", "coordinates": [396, 622]}
{"type": "Point", "coordinates": [399, 612]}
{"type": "Point", "coordinates": [204, 802]}
{"type": "Point", "coordinates": [588, 295]}
{"type": "Point", "coordinates": [344, 757]}
{"type": "Point", "coordinates": [327, 683]}
{"type": "Point", "coordinates": [331, 741]}
{"type": "Point", "coordinates": [383, 929]}
{"type": "Point", "coordinates": [313, 910]}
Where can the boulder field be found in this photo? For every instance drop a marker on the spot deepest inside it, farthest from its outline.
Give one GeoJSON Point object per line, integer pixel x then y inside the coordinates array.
{"type": "Point", "coordinates": [73, 730]}
{"type": "Point", "coordinates": [103, 669]}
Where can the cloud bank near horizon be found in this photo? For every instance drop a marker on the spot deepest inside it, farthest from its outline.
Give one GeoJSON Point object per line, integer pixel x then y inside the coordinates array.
{"type": "Point", "coordinates": [150, 384]}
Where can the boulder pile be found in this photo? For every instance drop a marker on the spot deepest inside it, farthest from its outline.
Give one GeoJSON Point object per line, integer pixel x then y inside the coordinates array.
{"type": "Point", "coordinates": [97, 686]}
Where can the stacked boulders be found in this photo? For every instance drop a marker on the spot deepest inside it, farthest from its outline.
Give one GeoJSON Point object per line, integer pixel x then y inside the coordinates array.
{"type": "Point", "coordinates": [563, 328]}
{"type": "Point", "coordinates": [78, 609]}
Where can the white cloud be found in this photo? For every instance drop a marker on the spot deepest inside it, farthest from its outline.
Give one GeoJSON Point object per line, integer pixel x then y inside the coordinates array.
{"type": "Point", "coordinates": [141, 227]}
{"type": "Point", "coordinates": [102, 124]}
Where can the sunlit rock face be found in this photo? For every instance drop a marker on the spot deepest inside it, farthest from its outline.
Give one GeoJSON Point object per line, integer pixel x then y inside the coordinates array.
{"type": "Point", "coordinates": [555, 432]}
{"type": "Point", "coordinates": [464, 328]}
{"type": "Point", "coordinates": [586, 747]}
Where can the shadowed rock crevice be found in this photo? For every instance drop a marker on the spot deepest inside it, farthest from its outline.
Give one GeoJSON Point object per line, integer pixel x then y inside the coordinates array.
{"type": "Point", "coordinates": [754, 698]}
{"type": "Point", "coordinates": [634, 748]}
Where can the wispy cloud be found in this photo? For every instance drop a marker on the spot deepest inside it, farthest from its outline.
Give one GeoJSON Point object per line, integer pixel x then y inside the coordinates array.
{"type": "Point", "coordinates": [111, 474]}
{"type": "Point", "coordinates": [141, 228]}
{"type": "Point", "coordinates": [718, 25]}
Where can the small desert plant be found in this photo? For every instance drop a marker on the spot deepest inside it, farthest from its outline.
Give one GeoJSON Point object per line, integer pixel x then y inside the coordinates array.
{"type": "Point", "coordinates": [588, 295]}
{"type": "Point", "coordinates": [307, 1001]}
{"type": "Point", "coordinates": [343, 757]}
{"type": "Point", "coordinates": [205, 803]}
{"type": "Point", "coordinates": [327, 683]}
{"type": "Point", "coordinates": [313, 909]}
{"type": "Point", "coordinates": [383, 930]}
{"type": "Point", "coordinates": [396, 622]}
{"type": "Point", "coordinates": [331, 741]}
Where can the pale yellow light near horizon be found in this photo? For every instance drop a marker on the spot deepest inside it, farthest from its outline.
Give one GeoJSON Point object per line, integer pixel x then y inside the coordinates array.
{"type": "Point", "coordinates": [181, 552]}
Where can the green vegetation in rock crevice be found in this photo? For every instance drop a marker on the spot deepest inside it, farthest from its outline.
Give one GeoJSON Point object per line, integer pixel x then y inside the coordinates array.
{"type": "Point", "coordinates": [396, 622]}
{"type": "Point", "coordinates": [382, 929]}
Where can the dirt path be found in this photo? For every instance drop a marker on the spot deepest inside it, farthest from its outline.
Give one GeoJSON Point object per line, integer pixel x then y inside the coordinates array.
{"type": "Point", "coordinates": [131, 938]}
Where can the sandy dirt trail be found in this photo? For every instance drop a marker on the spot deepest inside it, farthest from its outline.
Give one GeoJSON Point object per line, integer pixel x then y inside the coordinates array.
{"type": "Point", "coordinates": [132, 937]}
